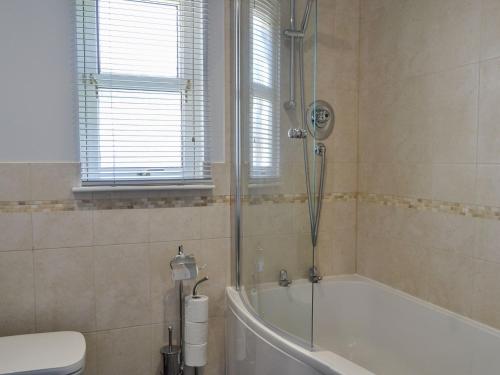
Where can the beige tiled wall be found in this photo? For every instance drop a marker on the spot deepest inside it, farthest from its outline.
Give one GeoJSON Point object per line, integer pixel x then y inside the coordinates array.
{"type": "Point", "coordinates": [105, 272]}
{"type": "Point", "coordinates": [428, 128]}
{"type": "Point", "coordinates": [279, 234]}
{"type": "Point", "coordinates": [337, 83]}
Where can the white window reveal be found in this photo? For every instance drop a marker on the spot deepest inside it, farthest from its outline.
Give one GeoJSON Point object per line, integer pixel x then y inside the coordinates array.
{"type": "Point", "coordinates": [265, 90]}
{"type": "Point", "coordinates": [142, 91]}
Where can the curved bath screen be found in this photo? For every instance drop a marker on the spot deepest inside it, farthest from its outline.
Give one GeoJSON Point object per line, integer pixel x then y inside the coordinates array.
{"type": "Point", "coordinates": [279, 161]}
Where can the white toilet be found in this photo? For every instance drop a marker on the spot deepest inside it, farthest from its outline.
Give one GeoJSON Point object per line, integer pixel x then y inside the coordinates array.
{"type": "Point", "coordinates": [55, 353]}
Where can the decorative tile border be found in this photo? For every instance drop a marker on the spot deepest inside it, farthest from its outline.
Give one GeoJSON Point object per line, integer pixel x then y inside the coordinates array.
{"type": "Point", "coordinates": [422, 204]}
{"type": "Point", "coordinates": [296, 198]}
{"type": "Point", "coordinates": [155, 202]}
{"type": "Point", "coordinates": [112, 204]}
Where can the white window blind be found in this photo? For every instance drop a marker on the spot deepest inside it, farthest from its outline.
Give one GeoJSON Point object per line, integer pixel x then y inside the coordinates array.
{"type": "Point", "coordinates": [265, 39]}
{"type": "Point", "coordinates": [142, 91]}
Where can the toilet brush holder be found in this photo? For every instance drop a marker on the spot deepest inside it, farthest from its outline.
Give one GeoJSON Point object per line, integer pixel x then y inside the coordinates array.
{"type": "Point", "coordinates": [171, 356]}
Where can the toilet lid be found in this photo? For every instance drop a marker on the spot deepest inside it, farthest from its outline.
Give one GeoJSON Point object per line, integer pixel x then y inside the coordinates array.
{"type": "Point", "coordinates": [57, 353]}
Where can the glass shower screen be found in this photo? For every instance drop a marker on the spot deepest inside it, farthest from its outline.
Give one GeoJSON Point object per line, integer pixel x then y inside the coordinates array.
{"type": "Point", "coordinates": [276, 62]}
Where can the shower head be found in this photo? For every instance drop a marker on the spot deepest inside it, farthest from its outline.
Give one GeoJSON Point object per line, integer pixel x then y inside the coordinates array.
{"type": "Point", "coordinates": [307, 13]}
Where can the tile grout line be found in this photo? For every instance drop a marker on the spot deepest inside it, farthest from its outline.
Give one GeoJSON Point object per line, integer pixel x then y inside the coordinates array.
{"type": "Point", "coordinates": [472, 311]}
{"type": "Point", "coordinates": [34, 274]}
{"type": "Point", "coordinates": [33, 252]}
{"type": "Point", "coordinates": [358, 147]}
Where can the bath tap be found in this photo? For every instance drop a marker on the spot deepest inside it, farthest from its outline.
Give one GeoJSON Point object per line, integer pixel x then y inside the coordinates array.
{"type": "Point", "coordinates": [314, 275]}
{"type": "Point", "coordinates": [284, 280]}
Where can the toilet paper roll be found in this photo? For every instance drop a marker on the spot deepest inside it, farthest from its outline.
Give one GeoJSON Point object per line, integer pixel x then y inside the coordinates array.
{"type": "Point", "coordinates": [195, 355]}
{"type": "Point", "coordinates": [195, 333]}
{"type": "Point", "coordinates": [196, 309]}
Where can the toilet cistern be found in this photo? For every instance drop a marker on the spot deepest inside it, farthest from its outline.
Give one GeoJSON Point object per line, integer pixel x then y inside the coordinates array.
{"type": "Point", "coordinates": [52, 353]}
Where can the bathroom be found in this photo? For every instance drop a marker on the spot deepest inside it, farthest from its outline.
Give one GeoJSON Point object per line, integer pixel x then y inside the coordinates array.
{"type": "Point", "coordinates": [332, 166]}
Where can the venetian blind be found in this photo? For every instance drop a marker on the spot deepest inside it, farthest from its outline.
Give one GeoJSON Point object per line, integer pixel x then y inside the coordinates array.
{"type": "Point", "coordinates": [142, 91]}
{"type": "Point", "coordinates": [265, 39]}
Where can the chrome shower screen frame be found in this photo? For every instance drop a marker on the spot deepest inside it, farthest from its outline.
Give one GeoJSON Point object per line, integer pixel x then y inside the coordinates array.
{"type": "Point", "coordinates": [236, 139]}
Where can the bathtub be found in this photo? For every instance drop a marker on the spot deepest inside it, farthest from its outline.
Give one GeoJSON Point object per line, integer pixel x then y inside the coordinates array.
{"type": "Point", "coordinates": [361, 327]}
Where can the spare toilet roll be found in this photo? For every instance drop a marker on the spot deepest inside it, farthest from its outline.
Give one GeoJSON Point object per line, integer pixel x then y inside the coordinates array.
{"type": "Point", "coordinates": [196, 309]}
{"type": "Point", "coordinates": [195, 355]}
{"type": "Point", "coordinates": [195, 333]}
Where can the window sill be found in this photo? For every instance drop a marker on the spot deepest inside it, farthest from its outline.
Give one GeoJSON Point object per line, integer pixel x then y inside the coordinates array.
{"type": "Point", "coordinates": [103, 188]}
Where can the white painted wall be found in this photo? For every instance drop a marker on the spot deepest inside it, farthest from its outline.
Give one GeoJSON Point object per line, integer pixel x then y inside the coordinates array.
{"type": "Point", "coordinates": [38, 106]}
{"type": "Point", "coordinates": [37, 100]}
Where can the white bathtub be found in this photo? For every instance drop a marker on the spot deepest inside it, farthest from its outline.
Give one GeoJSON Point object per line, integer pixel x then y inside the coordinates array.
{"type": "Point", "coordinates": [361, 327]}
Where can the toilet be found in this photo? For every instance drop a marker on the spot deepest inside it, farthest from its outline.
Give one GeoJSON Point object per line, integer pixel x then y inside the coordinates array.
{"type": "Point", "coordinates": [55, 353]}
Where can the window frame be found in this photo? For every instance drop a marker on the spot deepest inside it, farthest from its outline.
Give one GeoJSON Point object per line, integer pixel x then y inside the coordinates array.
{"type": "Point", "coordinates": [92, 80]}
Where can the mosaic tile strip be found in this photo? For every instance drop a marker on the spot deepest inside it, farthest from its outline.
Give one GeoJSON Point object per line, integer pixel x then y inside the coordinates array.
{"type": "Point", "coordinates": [463, 209]}
{"type": "Point", "coordinates": [112, 204]}
{"type": "Point", "coordinates": [155, 202]}
{"type": "Point", "coordinates": [296, 198]}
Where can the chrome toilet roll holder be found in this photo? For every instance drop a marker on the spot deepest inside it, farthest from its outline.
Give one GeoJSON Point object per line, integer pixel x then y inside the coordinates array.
{"type": "Point", "coordinates": [183, 267]}
{"type": "Point", "coordinates": [195, 287]}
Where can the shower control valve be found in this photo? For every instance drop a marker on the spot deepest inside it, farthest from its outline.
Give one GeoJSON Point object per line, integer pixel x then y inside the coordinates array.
{"type": "Point", "coordinates": [320, 117]}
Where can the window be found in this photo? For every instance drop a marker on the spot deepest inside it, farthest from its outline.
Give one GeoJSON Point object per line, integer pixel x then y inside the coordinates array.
{"type": "Point", "coordinates": [265, 89]}
{"type": "Point", "coordinates": [142, 91]}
